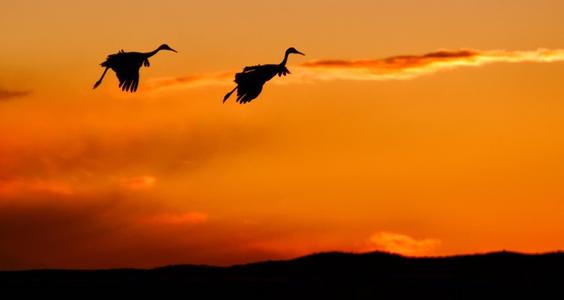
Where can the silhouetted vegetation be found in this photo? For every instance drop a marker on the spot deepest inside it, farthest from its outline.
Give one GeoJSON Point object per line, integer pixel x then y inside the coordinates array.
{"type": "Point", "coordinates": [323, 276]}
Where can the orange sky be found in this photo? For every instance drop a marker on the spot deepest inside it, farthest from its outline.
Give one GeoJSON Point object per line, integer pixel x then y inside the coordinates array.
{"type": "Point", "coordinates": [423, 129]}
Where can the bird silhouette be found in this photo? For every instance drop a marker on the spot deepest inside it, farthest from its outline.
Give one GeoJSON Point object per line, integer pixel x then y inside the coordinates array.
{"type": "Point", "coordinates": [127, 65]}
{"type": "Point", "coordinates": [251, 80]}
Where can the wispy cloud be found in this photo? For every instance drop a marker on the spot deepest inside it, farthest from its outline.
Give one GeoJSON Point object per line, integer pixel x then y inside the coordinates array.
{"type": "Point", "coordinates": [400, 67]}
{"type": "Point", "coordinates": [9, 94]}
{"type": "Point", "coordinates": [10, 186]}
{"type": "Point", "coordinates": [403, 244]}
{"type": "Point", "coordinates": [138, 183]}
{"type": "Point", "coordinates": [190, 81]}
{"type": "Point", "coordinates": [413, 66]}
{"type": "Point", "coordinates": [193, 217]}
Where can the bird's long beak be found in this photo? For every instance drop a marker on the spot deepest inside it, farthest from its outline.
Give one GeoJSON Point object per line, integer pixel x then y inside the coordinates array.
{"type": "Point", "coordinates": [173, 50]}
{"type": "Point", "coordinates": [298, 52]}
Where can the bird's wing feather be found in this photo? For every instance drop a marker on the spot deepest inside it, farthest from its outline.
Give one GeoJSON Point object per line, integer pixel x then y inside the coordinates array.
{"type": "Point", "coordinates": [251, 68]}
{"type": "Point", "coordinates": [283, 72]}
{"type": "Point", "coordinates": [251, 81]}
{"type": "Point", "coordinates": [261, 73]}
{"type": "Point", "coordinates": [128, 79]}
{"type": "Point", "coordinates": [136, 82]}
{"type": "Point", "coordinates": [248, 93]}
{"type": "Point", "coordinates": [126, 65]}
{"type": "Point", "coordinates": [249, 86]}
{"type": "Point", "coordinates": [114, 59]}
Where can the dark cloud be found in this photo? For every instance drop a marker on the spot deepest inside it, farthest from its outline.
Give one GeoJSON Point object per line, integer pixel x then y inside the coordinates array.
{"type": "Point", "coordinates": [89, 200]}
{"type": "Point", "coordinates": [8, 94]}
{"type": "Point", "coordinates": [39, 230]}
{"type": "Point", "coordinates": [108, 229]}
{"type": "Point", "coordinates": [87, 154]}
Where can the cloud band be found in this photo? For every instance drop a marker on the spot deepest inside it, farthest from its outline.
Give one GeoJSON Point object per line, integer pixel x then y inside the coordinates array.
{"type": "Point", "coordinates": [391, 68]}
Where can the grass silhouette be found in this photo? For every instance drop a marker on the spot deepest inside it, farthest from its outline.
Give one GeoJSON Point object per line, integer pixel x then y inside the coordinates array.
{"type": "Point", "coordinates": [331, 275]}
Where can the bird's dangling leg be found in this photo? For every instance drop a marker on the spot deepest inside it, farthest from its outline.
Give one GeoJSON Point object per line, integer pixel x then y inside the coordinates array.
{"type": "Point", "coordinates": [100, 80]}
{"type": "Point", "coordinates": [229, 94]}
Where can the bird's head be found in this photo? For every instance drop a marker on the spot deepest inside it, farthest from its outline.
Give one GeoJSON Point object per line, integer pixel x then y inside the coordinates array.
{"type": "Point", "coordinates": [166, 47]}
{"type": "Point", "coordinates": [293, 50]}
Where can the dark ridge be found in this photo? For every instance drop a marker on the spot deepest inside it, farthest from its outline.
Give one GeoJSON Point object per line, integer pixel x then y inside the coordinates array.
{"type": "Point", "coordinates": [332, 275]}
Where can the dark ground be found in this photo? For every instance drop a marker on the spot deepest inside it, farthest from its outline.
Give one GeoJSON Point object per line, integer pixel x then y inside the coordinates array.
{"type": "Point", "coordinates": [376, 275]}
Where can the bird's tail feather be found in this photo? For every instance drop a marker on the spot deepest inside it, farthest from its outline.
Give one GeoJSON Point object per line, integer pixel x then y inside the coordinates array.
{"type": "Point", "coordinates": [229, 94]}
{"type": "Point", "coordinates": [100, 80]}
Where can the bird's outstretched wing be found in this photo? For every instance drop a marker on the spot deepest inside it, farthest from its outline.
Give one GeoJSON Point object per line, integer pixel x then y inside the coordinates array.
{"type": "Point", "coordinates": [249, 85]}
{"type": "Point", "coordinates": [251, 68]}
{"type": "Point", "coordinates": [128, 79]}
{"type": "Point", "coordinates": [251, 81]}
{"type": "Point", "coordinates": [126, 67]}
{"type": "Point", "coordinates": [248, 93]}
{"type": "Point", "coordinates": [114, 60]}
{"type": "Point", "coordinates": [283, 72]}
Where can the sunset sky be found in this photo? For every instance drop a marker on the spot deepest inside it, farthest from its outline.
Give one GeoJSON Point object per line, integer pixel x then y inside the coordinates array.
{"type": "Point", "coordinates": [417, 127]}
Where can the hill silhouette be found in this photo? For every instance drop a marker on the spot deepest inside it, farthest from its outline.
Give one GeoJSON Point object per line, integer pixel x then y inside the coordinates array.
{"type": "Point", "coordinates": [332, 275]}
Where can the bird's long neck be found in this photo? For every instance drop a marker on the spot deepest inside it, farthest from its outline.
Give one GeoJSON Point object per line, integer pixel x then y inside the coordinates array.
{"type": "Point", "coordinates": [149, 54]}
{"type": "Point", "coordinates": [283, 63]}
